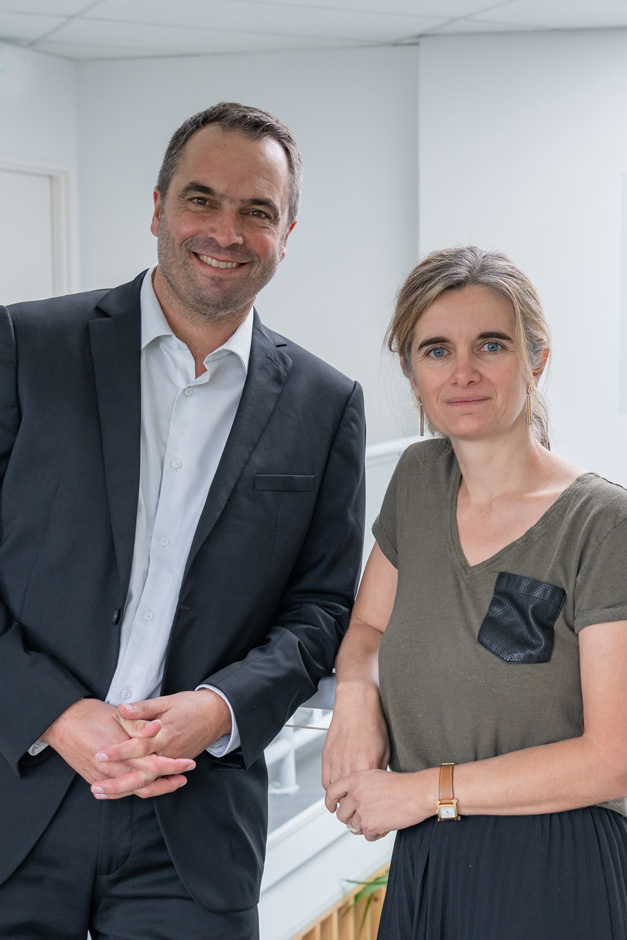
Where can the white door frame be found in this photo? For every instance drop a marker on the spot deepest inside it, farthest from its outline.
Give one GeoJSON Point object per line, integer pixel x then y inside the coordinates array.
{"type": "Point", "coordinates": [61, 253]}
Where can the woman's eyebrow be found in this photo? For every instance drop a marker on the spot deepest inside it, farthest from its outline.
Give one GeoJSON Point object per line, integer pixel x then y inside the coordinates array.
{"type": "Point", "coordinates": [431, 341]}
{"type": "Point", "coordinates": [494, 334]}
{"type": "Point", "coordinates": [486, 334]}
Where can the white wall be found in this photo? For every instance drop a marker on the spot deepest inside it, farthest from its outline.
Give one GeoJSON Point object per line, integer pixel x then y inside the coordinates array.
{"type": "Point", "coordinates": [38, 122]}
{"type": "Point", "coordinates": [523, 145]}
{"type": "Point", "coordinates": [354, 114]}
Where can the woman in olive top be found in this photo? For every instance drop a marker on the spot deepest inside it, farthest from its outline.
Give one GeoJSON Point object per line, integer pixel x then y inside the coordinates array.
{"type": "Point", "coordinates": [486, 660]}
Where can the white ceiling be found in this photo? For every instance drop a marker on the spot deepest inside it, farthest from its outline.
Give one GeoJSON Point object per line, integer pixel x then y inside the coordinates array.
{"type": "Point", "coordinates": [113, 29]}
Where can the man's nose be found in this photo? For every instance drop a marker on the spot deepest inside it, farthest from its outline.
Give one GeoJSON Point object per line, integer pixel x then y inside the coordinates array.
{"type": "Point", "coordinates": [225, 228]}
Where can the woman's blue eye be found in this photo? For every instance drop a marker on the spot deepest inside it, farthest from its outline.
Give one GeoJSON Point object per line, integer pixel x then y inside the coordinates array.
{"type": "Point", "coordinates": [493, 347]}
{"type": "Point", "coordinates": [437, 353]}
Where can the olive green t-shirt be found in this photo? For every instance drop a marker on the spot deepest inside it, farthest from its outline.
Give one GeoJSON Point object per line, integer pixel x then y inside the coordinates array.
{"type": "Point", "coordinates": [481, 660]}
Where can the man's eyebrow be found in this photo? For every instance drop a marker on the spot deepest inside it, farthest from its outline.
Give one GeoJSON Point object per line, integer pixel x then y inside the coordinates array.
{"type": "Point", "coordinates": [265, 202]}
{"type": "Point", "coordinates": [194, 187]}
{"type": "Point", "coordinates": [487, 334]}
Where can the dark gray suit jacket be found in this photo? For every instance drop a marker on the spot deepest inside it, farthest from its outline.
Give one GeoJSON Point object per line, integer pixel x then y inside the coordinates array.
{"type": "Point", "coordinates": [267, 589]}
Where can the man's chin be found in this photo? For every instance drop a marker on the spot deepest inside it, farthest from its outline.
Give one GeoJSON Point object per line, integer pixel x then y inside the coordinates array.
{"type": "Point", "coordinates": [222, 309]}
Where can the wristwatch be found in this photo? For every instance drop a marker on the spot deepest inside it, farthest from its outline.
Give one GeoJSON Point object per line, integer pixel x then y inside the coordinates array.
{"type": "Point", "coordinates": [447, 804]}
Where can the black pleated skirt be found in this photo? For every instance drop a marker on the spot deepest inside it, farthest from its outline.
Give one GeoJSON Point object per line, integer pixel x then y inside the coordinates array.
{"type": "Point", "coordinates": [559, 876]}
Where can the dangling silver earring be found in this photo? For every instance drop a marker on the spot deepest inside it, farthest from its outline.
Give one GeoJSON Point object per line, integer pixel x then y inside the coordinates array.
{"type": "Point", "coordinates": [422, 417]}
{"type": "Point", "coordinates": [529, 409]}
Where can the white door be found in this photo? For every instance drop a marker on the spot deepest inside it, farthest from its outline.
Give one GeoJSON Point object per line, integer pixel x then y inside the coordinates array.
{"type": "Point", "coordinates": [26, 236]}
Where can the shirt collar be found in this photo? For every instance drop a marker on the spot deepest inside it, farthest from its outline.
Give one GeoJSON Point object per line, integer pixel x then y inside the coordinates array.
{"type": "Point", "coordinates": [155, 325]}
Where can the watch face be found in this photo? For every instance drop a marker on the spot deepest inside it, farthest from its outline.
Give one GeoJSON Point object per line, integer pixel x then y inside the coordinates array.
{"type": "Point", "coordinates": [447, 812]}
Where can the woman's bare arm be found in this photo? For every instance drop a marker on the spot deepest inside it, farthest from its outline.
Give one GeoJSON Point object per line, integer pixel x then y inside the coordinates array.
{"type": "Point", "coordinates": [357, 738]}
{"type": "Point", "coordinates": [548, 778]}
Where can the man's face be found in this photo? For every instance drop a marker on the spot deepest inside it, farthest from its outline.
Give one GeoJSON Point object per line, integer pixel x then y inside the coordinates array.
{"type": "Point", "coordinates": [222, 226]}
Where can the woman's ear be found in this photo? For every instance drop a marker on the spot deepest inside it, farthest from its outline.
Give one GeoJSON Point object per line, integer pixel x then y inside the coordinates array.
{"type": "Point", "coordinates": [537, 372]}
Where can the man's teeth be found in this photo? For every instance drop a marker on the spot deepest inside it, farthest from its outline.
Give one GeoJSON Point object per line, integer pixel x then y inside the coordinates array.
{"type": "Point", "coordinates": [218, 264]}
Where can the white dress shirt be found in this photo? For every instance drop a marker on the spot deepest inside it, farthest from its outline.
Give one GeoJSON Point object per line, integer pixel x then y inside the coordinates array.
{"type": "Point", "coordinates": [185, 423]}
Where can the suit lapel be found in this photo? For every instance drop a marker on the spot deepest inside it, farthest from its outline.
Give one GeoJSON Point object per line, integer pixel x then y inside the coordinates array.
{"type": "Point", "coordinates": [116, 350]}
{"type": "Point", "coordinates": [268, 369]}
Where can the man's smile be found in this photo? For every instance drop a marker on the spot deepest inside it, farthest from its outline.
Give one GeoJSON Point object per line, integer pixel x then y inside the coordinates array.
{"type": "Point", "coordinates": [215, 263]}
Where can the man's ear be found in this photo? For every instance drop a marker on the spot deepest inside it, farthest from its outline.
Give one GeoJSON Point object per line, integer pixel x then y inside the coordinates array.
{"type": "Point", "coordinates": [287, 235]}
{"type": "Point", "coordinates": [154, 223]}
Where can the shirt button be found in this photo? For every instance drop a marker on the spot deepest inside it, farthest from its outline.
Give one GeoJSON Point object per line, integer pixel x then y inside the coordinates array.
{"type": "Point", "coordinates": [164, 541]}
{"type": "Point", "coordinates": [149, 615]}
{"type": "Point", "coordinates": [177, 464]}
{"type": "Point", "coordinates": [127, 694]}
{"type": "Point", "coordinates": [189, 391]}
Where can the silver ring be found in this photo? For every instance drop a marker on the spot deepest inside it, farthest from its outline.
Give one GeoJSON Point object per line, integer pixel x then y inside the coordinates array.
{"type": "Point", "coordinates": [353, 831]}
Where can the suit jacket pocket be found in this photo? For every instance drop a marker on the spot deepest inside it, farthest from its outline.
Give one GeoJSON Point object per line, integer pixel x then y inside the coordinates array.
{"type": "Point", "coordinates": [519, 624]}
{"type": "Point", "coordinates": [285, 482]}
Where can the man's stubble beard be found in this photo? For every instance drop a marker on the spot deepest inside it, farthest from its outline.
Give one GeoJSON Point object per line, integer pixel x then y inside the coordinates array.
{"type": "Point", "coordinates": [204, 304]}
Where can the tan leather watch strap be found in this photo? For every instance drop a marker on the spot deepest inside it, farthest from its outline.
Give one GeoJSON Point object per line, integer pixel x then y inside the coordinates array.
{"type": "Point", "coordinates": [446, 803]}
{"type": "Point", "coordinates": [446, 782]}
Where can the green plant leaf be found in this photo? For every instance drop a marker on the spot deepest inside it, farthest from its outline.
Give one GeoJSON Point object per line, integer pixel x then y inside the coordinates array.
{"type": "Point", "coordinates": [369, 889]}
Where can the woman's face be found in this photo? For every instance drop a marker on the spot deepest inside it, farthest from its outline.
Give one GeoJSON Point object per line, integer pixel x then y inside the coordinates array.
{"type": "Point", "coordinates": [465, 367]}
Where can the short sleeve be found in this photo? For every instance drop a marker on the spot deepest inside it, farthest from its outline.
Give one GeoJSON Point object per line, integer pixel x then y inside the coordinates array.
{"type": "Point", "coordinates": [384, 527]}
{"type": "Point", "coordinates": [601, 588]}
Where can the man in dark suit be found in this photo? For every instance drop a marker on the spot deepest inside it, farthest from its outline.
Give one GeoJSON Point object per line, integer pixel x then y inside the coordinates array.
{"type": "Point", "coordinates": [180, 534]}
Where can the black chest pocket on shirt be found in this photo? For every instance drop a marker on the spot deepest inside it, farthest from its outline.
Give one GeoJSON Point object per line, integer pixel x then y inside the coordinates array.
{"type": "Point", "coordinates": [519, 624]}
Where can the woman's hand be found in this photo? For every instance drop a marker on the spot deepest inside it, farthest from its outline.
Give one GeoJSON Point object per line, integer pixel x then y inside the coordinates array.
{"type": "Point", "coordinates": [357, 738]}
{"type": "Point", "coordinates": [379, 801]}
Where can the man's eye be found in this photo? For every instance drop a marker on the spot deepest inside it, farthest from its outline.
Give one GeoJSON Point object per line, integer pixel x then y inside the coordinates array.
{"type": "Point", "coordinates": [259, 214]}
{"type": "Point", "coordinates": [199, 201]}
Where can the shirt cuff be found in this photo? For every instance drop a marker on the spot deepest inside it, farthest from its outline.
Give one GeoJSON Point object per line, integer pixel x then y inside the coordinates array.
{"type": "Point", "coordinates": [37, 748]}
{"type": "Point", "coordinates": [228, 742]}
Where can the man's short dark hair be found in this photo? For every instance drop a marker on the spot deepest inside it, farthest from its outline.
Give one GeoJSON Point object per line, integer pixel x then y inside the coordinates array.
{"type": "Point", "coordinates": [252, 122]}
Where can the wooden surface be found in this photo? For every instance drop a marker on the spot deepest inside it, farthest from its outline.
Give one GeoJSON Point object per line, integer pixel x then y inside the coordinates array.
{"type": "Point", "coordinates": [340, 923]}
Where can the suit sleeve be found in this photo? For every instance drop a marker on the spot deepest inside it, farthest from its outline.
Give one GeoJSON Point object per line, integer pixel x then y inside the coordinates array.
{"type": "Point", "coordinates": [267, 686]}
{"type": "Point", "coordinates": [34, 687]}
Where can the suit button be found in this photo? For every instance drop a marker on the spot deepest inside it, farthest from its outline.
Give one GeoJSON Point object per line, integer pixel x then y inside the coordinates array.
{"type": "Point", "coordinates": [116, 616]}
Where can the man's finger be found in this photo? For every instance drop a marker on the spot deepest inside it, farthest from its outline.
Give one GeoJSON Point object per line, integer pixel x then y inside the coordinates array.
{"type": "Point", "coordinates": [147, 710]}
{"type": "Point", "coordinates": [127, 750]}
{"type": "Point", "coordinates": [155, 765]}
{"type": "Point", "coordinates": [139, 727]}
{"type": "Point", "coordinates": [116, 787]}
{"type": "Point", "coordinates": [162, 785]}
{"type": "Point", "coordinates": [144, 770]}
{"type": "Point", "coordinates": [148, 788]}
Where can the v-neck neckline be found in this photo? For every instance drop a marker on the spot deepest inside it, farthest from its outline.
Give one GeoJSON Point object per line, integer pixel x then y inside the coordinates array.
{"type": "Point", "coordinates": [530, 533]}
